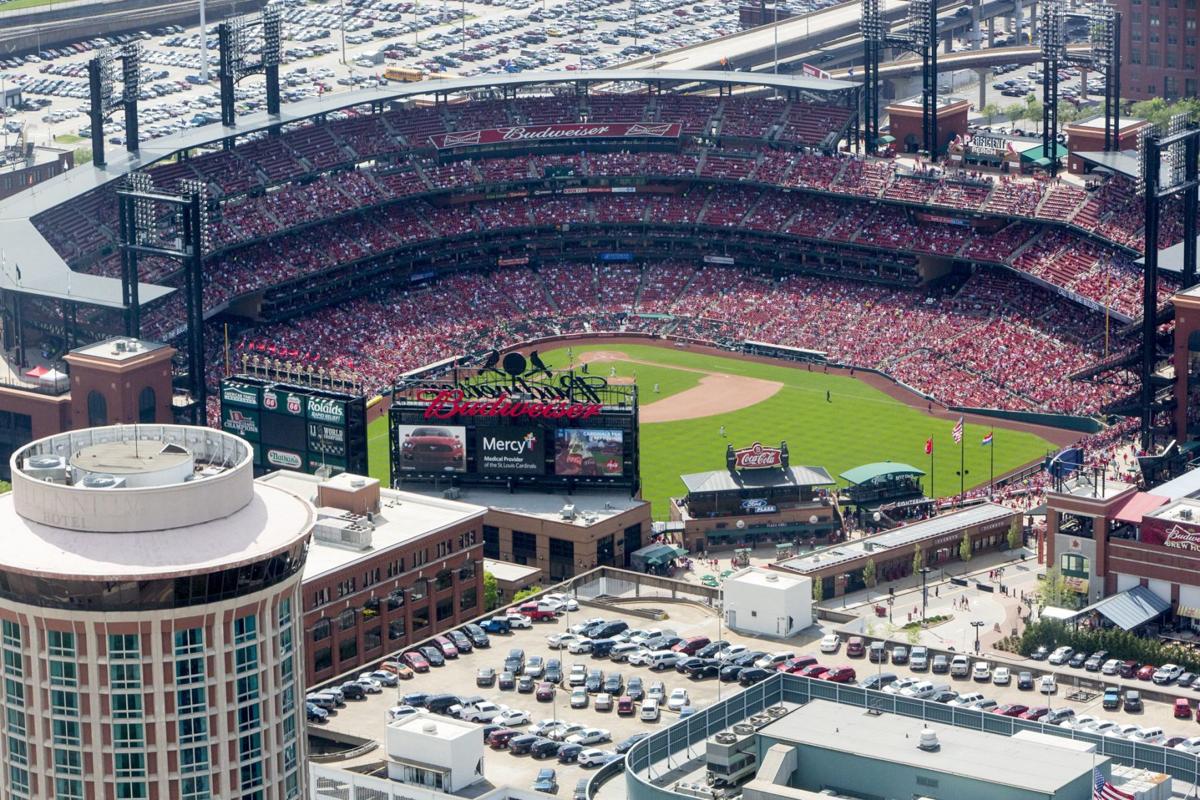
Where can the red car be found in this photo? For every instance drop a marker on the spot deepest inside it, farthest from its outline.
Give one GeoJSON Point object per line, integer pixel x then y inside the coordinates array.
{"type": "Point", "coordinates": [532, 611]}
{"type": "Point", "coordinates": [416, 661]}
{"type": "Point", "coordinates": [1010, 710]}
{"type": "Point", "coordinates": [813, 671]}
{"type": "Point", "coordinates": [1183, 709]}
{"type": "Point", "coordinates": [499, 739]}
{"type": "Point", "coordinates": [1146, 673]}
{"type": "Point", "coordinates": [840, 675]}
{"type": "Point", "coordinates": [1036, 713]}
{"type": "Point", "coordinates": [855, 647]}
{"type": "Point", "coordinates": [625, 705]}
{"type": "Point", "coordinates": [796, 664]}
{"type": "Point", "coordinates": [446, 646]}
{"type": "Point", "coordinates": [433, 449]}
{"type": "Point", "coordinates": [691, 644]}
{"type": "Point", "coordinates": [545, 691]}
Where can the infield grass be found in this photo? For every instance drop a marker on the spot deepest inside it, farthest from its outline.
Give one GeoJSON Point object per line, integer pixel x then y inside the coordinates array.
{"type": "Point", "coordinates": [859, 425]}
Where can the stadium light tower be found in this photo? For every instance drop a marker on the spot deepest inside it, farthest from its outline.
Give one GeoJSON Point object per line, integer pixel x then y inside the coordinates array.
{"type": "Point", "coordinates": [921, 38]}
{"type": "Point", "coordinates": [234, 37]}
{"type": "Point", "coordinates": [103, 98]}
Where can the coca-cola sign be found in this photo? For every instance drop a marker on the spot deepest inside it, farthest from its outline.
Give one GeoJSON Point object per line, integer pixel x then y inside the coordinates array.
{"type": "Point", "coordinates": [579, 130]}
{"type": "Point", "coordinates": [758, 456]}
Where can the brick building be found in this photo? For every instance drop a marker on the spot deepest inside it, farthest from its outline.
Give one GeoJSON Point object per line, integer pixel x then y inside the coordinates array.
{"type": "Point", "coordinates": [1159, 49]}
{"type": "Point", "coordinates": [385, 569]}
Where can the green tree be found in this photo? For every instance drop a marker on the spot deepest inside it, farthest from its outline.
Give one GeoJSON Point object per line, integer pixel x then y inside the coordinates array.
{"type": "Point", "coordinates": [918, 560]}
{"type": "Point", "coordinates": [491, 593]}
{"type": "Point", "coordinates": [83, 155]}
{"type": "Point", "coordinates": [1033, 110]}
{"type": "Point", "coordinates": [990, 111]}
{"type": "Point", "coordinates": [1014, 534]}
{"type": "Point", "coordinates": [521, 595]}
{"type": "Point", "coordinates": [1053, 590]}
{"type": "Point", "coordinates": [818, 590]}
{"type": "Point", "coordinates": [964, 547]}
{"type": "Point", "coordinates": [1015, 112]}
{"type": "Point", "coordinates": [869, 576]}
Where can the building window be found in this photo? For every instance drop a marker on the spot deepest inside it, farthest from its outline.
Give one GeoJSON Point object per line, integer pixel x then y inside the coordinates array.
{"type": "Point", "coordinates": [372, 639]}
{"type": "Point", "coordinates": [64, 704]}
{"type": "Point", "coordinates": [395, 629]}
{"type": "Point", "coordinates": [249, 718]}
{"type": "Point", "coordinates": [129, 676]}
{"type": "Point", "coordinates": [245, 629]}
{"type": "Point", "coordinates": [322, 659]}
{"type": "Point", "coordinates": [193, 730]}
{"type": "Point", "coordinates": [97, 407]}
{"type": "Point", "coordinates": [189, 640]}
{"type": "Point", "coordinates": [62, 673]}
{"type": "Point", "coordinates": [61, 644]}
{"type": "Point", "coordinates": [491, 541]}
{"type": "Point", "coordinates": [420, 618]}
{"type": "Point", "coordinates": [189, 701]}
{"type": "Point", "coordinates": [126, 705]}
{"type": "Point", "coordinates": [348, 649]}
{"type": "Point", "coordinates": [468, 599]}
{"type": "Point", "coordinates": [66, 732]}
{"type": "Point", "coordinates": [130, 791]}
{"type": "Point", "coordinates": [347, 619]}
{"type": "Point", "coordinates": [443, 580]}
{"type": "Point", "coordinates": [68, 789]}
{"type": "Point", "coordinates": [147, 406]}
{"type": "Point", "coordinates": [12, 634]}
{"type": "Point", "coordinates": [445, 609]}
{"type": "Point", "coordinates": [124, 646]}
{"type": "Point", "coordinates": [188, 671]}
{"type": "Point", "coordinates": [130, 765]}
{"type": "Point", "coordinates": [128, 735]}
{"type": "Point", "coordinates": [321, 630]}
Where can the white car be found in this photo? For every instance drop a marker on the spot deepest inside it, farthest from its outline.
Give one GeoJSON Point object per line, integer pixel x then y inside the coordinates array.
{"type": "Point", "coordinates": [1122, 731]}
{"type": "Point", "coordinates": [900, 684]}
{"type": "Point", "coordinates": [565, 601]}
{"type": "Point", "coordinates": [678, 699]}
{"type": "Point", "coordinates": [581, 645]}
{"type": "Point", "coordinates": [772, 660]}
{"type": "Point", "coordinates": [922, 690]}
{"type": "Point", "coordinates": [511, 717]}
{"type": "Point", "coordinates": [557, 641]}
{"type": "Point", "coordinates": [1061, 656]}
{"type": "Point", "coordinates": [1167, 673]}
{"type": "Point", "coordinates": [593, 757]}
{"type": "Point", "coordinates": [563, 731]}
{"type": "Point", "coordinates": [649, 710]}
{"type": "Point", "coordinates": [1082, 722]}
{"type": "Point", "coordinates": [830, 643]}
{"type": "Point", "coordinates": [580, 627]}
{"type": "Point", "coordinates": [982, 671]}
{"type": "Point", "coordinates": [579, 697]}
{"type": "Point", "coordinates": [1002, 676]}
{"type": "Point", "coordinates": [1150, 735]}
{"type": "Point", "coordinates": [399, 712]}
{"type": "Point", "coordinates": [642, 636]}
{"type": "Point", "coordinates": [1047, 685]}
{"type": "Point", "coordinates": [545, 726]}
{"type": "Point", "coordinates": [589, 736]}
{"type": "Point", "coordinates": [1101, 727]}
{"type": "Point", "coordinates": [370, 685]}
{"type": "Point", "coordinates": [966, 700]}
{"type": "Point", "coordinates": [518, 620]}
{"type": "Point", "coordinates": [1111, 666]}
{"type": "Point", "coordinates": [639, 658]}
{"type": "Point", "coordinates": [603, 702]}
{"type": "Point", "coordinates": [1190, 745]}
{"type": "Point", "coordinates": [734, 651]}
{"type": "Point", "coordinates": [384, 677]}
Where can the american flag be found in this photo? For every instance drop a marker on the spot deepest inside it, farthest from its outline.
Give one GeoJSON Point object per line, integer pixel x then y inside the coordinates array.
{"type": "Point", "coordinates": [1103, 790]}
{"type": "Point", "coordinates": [958, 431]}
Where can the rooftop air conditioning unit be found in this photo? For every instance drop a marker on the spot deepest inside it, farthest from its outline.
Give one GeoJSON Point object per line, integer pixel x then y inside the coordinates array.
{"type": "Point", "coordinates": [46, 468]}
{"type": "Point", "coordinates": [100, 480]}
{"type": "Point", "coordinates": [726, 738]}
{"type": "Point", "coordinates": [567, 512]}
{"type": "Point", "coordinates": [1185, 513]}
{"type": "Point", "coordinates": [453, 493]}
{"type": "Point", "coordinates": [743, 729]}
{"type": "Point", "coordinates": [777, 711]}
{"type": "Point", "coordinates": [929, 741]}
{"type": "Point", "coordinates": [758, 720]}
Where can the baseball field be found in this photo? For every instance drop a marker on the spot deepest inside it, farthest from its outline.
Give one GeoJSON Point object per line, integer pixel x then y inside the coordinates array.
{"type": "Point", "coordinates": [693, 404]}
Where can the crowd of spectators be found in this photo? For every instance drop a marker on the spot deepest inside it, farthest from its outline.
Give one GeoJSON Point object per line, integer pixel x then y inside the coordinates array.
{"type": "Point", "coordinates": [990, 342]}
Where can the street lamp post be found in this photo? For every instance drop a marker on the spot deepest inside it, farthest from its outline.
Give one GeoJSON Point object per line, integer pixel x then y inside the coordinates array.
{"type": "Point", "coordinates": [924, 591]}
{"type": "Point", "coordinates": [977, 624]}
{"type": "Point", "coordinates": [720, 613]}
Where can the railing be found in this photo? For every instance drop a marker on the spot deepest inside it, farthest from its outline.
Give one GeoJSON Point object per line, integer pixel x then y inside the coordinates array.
{"type": "Point", "coordinates": [669, 748]}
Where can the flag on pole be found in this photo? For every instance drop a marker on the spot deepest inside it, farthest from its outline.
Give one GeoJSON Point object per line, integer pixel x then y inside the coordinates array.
{"type": "Point", "coordinates": [958, 431]}
{"type": "Point", "coordinates": [987, 440]}
{"type": "Point", "coordinates": [1103, 790]}
{"type": "Point", "coordinates": [929, 446]}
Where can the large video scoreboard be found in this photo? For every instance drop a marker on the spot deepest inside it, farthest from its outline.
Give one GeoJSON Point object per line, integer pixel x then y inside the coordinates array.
{"type": "Point", "coordinates": [511, 426]}
{"type": "Point", "coordinates": [296, 427]}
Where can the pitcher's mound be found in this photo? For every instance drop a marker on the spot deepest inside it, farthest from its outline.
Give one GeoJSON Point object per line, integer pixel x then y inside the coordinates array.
{"type": "Point", "coordinates": [717, 394]}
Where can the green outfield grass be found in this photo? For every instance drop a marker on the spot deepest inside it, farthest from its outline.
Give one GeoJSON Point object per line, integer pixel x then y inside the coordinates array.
{"type": "Point", "coordinates": [859, 426]}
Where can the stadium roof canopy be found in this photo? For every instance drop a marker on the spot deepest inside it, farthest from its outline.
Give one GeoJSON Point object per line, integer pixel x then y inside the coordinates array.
{"type": "Point", "coordinates": [722, 480]}
{"type": "Point", "coordinates": [880, 469]}
{"type": "Point", "coordinates": [1129, 609]}
{"type": "Point", "coordinates": [31, 265]}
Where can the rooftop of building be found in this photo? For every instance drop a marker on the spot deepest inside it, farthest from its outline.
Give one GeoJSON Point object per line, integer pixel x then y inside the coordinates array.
{"type": "Point", "coordinates": [1185, 509]}
{"type": "Point", "coordinates": [766, 579]}
{"type": "Point", "coordinates": [507, 571]}
{"type": "Point", "coordinates": [591, 506]}
{"type": "Point", "coordinates": [435, 726]}
{"type": "Point", "coordinates": [898, 537]}
{"type": "Point", "coordinates": [272, 521]}
{"type": "Point", "coordinates": [964, 753]}
{"type": "Point", "coordinates": [914, 102]}
{"type": "Point", "coordinates": [14, 159]}
{"type": "Point", "coordinates": [118, 349]}
{"type": "Point", "coordinates": [403, 517]}
{"type": "Point", "coordinates": [724, 480]}
{"type": "Point", "coordinates": [1097, 123]}
{"type": "Point", "coordinates": [1086, 486]}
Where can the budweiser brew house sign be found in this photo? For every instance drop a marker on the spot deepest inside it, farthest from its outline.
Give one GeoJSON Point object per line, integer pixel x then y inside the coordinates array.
{"type": "Point", "coordinates": [757, 456]}
{"type": "Point", "coordinates": [542, 133]}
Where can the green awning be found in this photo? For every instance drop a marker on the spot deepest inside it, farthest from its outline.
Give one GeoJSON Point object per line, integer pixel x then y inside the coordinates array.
{"type": "Point", "coordinates": [880, 469]}
{"type": "Point", "coordinates": [885, 139]}
{"type": "Point", "coordinates": [1037, 155]}
{"type": "Point", "coordinates": [784, 546]}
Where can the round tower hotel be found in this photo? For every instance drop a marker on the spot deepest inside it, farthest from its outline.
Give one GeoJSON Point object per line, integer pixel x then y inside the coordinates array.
{"type": "Point", "coordinates": [151, 620]}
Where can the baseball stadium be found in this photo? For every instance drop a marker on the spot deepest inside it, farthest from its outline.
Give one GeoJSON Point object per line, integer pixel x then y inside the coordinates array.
{"type": "Point", "coordinates": [718, 240]}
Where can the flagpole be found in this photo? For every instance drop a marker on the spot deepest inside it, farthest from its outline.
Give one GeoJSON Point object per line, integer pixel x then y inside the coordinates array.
{"type": "Point", "coordinates": [991, 464]}
{"type": "Point", "coordinates": [962, 463]}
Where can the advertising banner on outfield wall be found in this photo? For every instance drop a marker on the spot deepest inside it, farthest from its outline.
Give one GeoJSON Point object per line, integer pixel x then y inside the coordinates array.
{"type": "Point", "coordinates": [241, 422]}
{"type": "Point", "coordinates": [510, 451]}
{"type": "Point", "coordinates": [328, 440]}
{"type": "Point", "coordinates": [543, 133]}
{"type": "Point", "coordinates": [589, 452]}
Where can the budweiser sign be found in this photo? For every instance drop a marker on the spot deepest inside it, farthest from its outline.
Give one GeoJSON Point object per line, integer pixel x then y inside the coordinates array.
{"type": "Point", "coordinates": [570, 396]}
{"type": "Point", "coordinates": [581, 130]}
{"type": "Point", "coordinates": [452, 403]}
{"type": "Point", "coordinates": [758, 456]}
{"type": "Point", "coordinates": [1182, 538]}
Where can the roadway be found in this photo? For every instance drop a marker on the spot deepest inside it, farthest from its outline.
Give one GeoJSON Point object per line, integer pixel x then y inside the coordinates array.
{"type": "Point", "coordinates": [971, 59]}
{"type": "Point", "coordinates": [831, 31]}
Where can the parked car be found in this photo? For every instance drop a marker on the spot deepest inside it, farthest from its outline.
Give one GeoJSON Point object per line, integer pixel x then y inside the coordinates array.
{"type": "Point", "coordinates": [416, 661]}
{"type": "Point", "coordinates": [1110, 667]}
{"type": "Point", "coordinates": [918, 658]}
{"type": "Point", "coordinates": [590, 736]}
{"type": "Point", "coordinates": [625, 706]}
{"type": "Point", "coordinates": [940, 664]}
{"type": "Point", "coordinates": [981, 671]}
{"type": "Point", "coordinates": [855, 647]}
{"type": "Point", "coordinates": [1001, 676]}
{"type": "Point", "coordinates": [752, 675]}
{"type": "Point", "coordinates": [507, 680]}
{"type": "Point", "coordinates": [1095, 661]}
{"type": "Point", "coordinates": [579, 697]}
{"type": "Point", "coordinates": [960, 666]}
{"type": "Point", "coordinates": [843, 674]}
{"type": "Point", "coordinates": [1146, 672]}
{"type": "Point", "coordinates": [525, 684]}
{"type": "Point", "coordinates": [485, 676]}
{"type": "Point", "coordinates": [830, 643]}
{"type": "Point", "coordinates": [635, 688]}
{"type": "Point", "coordinates": [1036, 713]}
{"type": "Point", "coordinates": [877, 681]}
{"type": "Point", "coordinates": [1047, 685]}
{"type": "Point", "coordinates": [877, 653]}
{"type": "Point", "coordinates": [544, 692]}
{"type": "Point", "coordinates": [1132, 700]}
{"type": "Point", "coordinates": [498, 740]}
{"type": "Point", "coordinates": [1167, 673]}
{"type": "Point", "coordinates": [1058, 716]}
{"type": "Point", "coordinates": [1025, 680]}
{"type": "Point", "coordinates": [1129, 668]}
{"type": "Point", "coordinates": [603, 702]}
{"type": "Point", "coordinates": [1061, 655]}
{"type": "Point", "coordinates": [521, 744]}
{"type": "Point", "coordinates": [594, 757]}
{"type": "Point", "coordinates": [899, 654]}
{"type": "Point", "coordinates": [567, 753]}
{"type": "Point", "coordinates": [1078, 660]}
{"type": "Point", "coordinates": [433, 655]}
{"type": "Point", "coordinates": [1010, 710]}
{"type": "Point", "coordinates": [1040, 654]}
{"type": "Point", "coordinates": [649, 712]}
{"type": "Point", "coordinates": [1182, 708]}
{"type": "Point", "coordinates": [546, 781]}
{"type": "Point", "coordinates": [1112, 698]}
{"type": "Point", "coordinates": [514, 662]}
